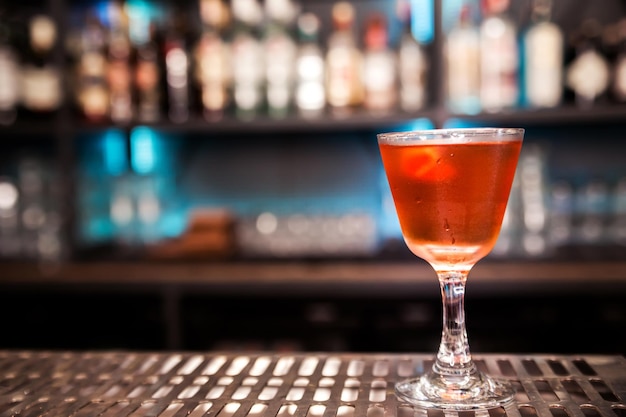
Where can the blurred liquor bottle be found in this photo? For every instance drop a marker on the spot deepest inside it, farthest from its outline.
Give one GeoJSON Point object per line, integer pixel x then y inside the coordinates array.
{"type": "Point", "coordinates": [533, 182]}
{"type": "Point", "coordinates": [9, 74]}
{"type": "Point", "coordinates": [148, 76]}
{"type": "Point", "coordinates": [379, 67]}
{"type": "Point", "coordinates": [560, 223]}
{"type": "Point", "coordinates": [40, 79]}
{"type": "Point", "coordinates": [123, 210]}
{"type": "Point", "coordinates": [462, 55]}
{"type": "Point", "coordinates": [412, 64]}
{"type": "Point", "coordinates": [145, 192]}
{"type": "Point", "coordinates": [588, 75]}
{"type": "Point", "coordinates": [149, 207]}
{"type": "Point", "coordinates": [618, 217]}
{"type": "Point", "coordinates": [619, 66]}
{"type": "Point", "coordinates": [213, 71]}
{"type": "Point", "coordinates": [543, 63]}
{"type": "Point", "coordinates": [499, 87]}
{"type": "Point", "coordinates": [9, 218]}
{"type": "Point", "coordinates": [344, 82]}
{"type": "Point", "coordinates": [119, 72]}
{"type": "Point", "coordinates": [310, 92]}
{"type": "Point", "coordinates": [175, 47]}
{"type": "Point", "coordinates": [100, 162]}
{"type": "Point", "coordinates": [31, 181]}
{"type": "Point", "coordinates": [30, 219]}
{"type": "Point", "coordinates": [280, 56]}
{"type": "Point", "coordinates": [247, 58]}
{"type": "Point", "coordinates": [592, 204]}
{"type": "Point", "coordinates": [92, 92]}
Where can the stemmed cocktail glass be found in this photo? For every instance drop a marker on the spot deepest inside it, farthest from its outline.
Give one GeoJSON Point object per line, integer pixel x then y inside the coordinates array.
{"type": "Point", "coordinates": [450, 188]}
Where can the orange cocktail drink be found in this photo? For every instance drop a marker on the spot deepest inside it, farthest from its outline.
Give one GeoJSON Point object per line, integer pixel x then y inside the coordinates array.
{"type": "Point", "coordinates": [450, 197]}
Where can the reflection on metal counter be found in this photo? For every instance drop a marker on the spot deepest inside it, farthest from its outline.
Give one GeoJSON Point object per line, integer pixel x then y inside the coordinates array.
{"type": "Point", "coordinates": [287, 384]}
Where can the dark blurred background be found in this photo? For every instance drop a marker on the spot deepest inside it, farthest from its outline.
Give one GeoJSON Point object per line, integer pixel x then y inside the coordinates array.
{"type": "Point", "coordinates": [205, 175]}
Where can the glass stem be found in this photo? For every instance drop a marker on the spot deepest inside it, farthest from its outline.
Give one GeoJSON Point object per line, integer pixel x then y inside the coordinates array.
{"type": "Point", "coordinates": [454, 358]}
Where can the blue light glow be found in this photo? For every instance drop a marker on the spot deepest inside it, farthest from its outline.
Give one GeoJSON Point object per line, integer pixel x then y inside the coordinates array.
{"type": "Point", "coordinates": [460, 123]}
{"type": "Point", "coordinates": [451, 10]}
{"type": "Point", "coordinates": [143, 150]}
{"type": "Point", "coordinates": [140, 14]}
{"type": "Point", "coordinates": [114, 152]}
{"type": "Point", "coordinates": [422, 123]}
{"type": "Point", "coordinates": [103, 13]}
{"type": "Point", "coordinates": [423, 20]}
{"type": "Point", "coordinates": [97, 229]}
{"type": "Point", "coordinates": [173, 224]}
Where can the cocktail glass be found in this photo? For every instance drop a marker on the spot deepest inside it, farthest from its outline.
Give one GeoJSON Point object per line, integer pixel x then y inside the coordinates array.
{"type": "Point", "coordinates": [450, 188]}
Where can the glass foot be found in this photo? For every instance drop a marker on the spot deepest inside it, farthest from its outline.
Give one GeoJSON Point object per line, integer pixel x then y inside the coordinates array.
{"type": "Point", "coordinates": [474, 392]}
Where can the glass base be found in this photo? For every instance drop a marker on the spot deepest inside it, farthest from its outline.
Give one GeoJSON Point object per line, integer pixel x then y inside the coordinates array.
{"type": "Point", "coordinates": [474, 392]}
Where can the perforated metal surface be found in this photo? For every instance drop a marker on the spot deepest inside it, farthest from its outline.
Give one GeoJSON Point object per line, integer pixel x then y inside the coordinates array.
{"type": "Point", "coordinates": [289, 385]}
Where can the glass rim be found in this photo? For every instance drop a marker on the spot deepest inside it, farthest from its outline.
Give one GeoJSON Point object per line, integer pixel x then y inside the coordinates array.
{"type": "Point", "coordinates": [463, 134]}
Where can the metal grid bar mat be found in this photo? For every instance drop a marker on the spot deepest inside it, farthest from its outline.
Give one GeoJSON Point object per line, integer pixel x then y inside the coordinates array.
{"type": "Point", "coordinates": [123, 384]}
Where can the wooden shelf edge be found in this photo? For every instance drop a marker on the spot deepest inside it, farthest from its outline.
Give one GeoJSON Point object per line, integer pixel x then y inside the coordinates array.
{"type": "Point", "coordinates": [560, 115]}
{"type": "Point", "coordinates": [326, 273]}
{"type": "Point", "coordinates": [360, 119]}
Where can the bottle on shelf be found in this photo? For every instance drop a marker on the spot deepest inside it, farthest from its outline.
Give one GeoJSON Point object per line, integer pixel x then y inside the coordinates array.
{"type": "Point", "coordinates": [588, 75]}
{"type": "Point", "coordinates": [533, 183]}
{"type": "Point", "coordinates": [412, 64]}
{"type": "Point", "coordinates": [279, 49]}
{"type": "Point", "coordinates": [344, 83]}
{"type": "Point", "coordinates": [213, 70]}
{"type": "Point", "coordinates": [543, 53]}
{"type": "Point", "coordinates": [40, 79]}
{"type": "Point", "coordinates": [247, 58]}
{"type": "Point", "coordinates": [618, 212]}
{"type": "Point", "coordinates": [175, 48]}
{"type": "Point", "coordinates": [147, 77]}
{"type": "Point", "coordinates": [123, 210]}
{"type": "Point", "coordinates": [593, 212]}
{"type": "Point", "coordinates": [31, 181]}
{"type": "Point", "coordinates": [92, 92]}
{"type": "Point", "coordinates": [30, 221]}
{"type": "Point", "coordinates": [149, 208]}
{"type": "Point", "coordinates": [379, 67]}
{"type": "Point", "coordinates": [119, 71]}
{"type": "Point", "coordinates": [9, 218]}
{"type": "Point", "coordinates": [9, 76]}
{"type": "Point", "coordinates": [462, 57]}
{"type": "Point", "coordinates": [619, 67]}
{"type": "Point", "coordinates": [610, 48]}
{"type": "Point", "coordinates": [560, 224]}
{"type": "Point", "coordinates": [499, 89]}
{"type": "Point", "coordinates": [310, 93]}
{"type": "Point", "coordinates": [40, 86]}
{"type": "Point", "coordinates": [52, 244]}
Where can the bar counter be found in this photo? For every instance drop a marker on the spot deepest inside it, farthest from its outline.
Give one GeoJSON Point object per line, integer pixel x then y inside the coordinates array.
{"type": "Point", "coordinates": [243, 384]}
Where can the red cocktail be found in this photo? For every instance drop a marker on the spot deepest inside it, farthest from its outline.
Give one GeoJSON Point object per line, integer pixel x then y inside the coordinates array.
{"type": "Point", "coordinates": [451, 197]}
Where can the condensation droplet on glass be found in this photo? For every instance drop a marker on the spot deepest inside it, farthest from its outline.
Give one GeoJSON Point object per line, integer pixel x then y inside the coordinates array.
{"type": "Point", "coordinates": [453, 241]}
{"type": "Point", "coordinates": [451, 155]}
{"type": "Point", "coordinates": [438, 161]}
{"type": "Point", "coordinates": [446, 225]}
